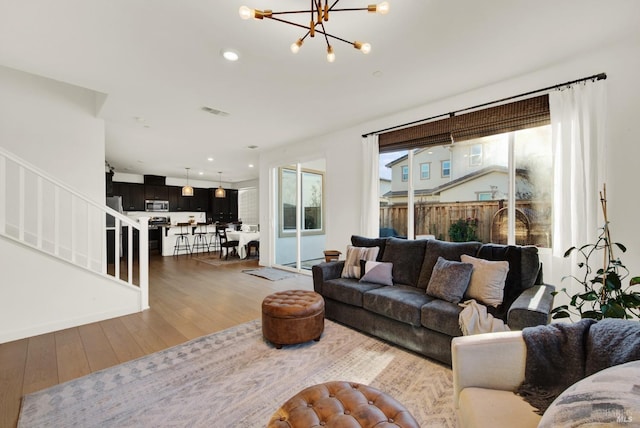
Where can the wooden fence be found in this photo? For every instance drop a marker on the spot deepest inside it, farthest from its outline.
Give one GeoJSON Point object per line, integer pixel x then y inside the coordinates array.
{"type": "Point", "coordinates": [533, 220]}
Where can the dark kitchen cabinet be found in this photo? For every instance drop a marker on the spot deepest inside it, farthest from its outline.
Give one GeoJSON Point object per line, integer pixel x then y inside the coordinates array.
{"type": "Point", "coordinates": [174, 196]}
{"type": "Point", "coordinates": [224, 209]}
{"type": "Point", "coordinates": [156, 192]}
{"type": "Point", "coordinates": [132, 195]}
{"type": "Point", "coordinates": [198, 202]}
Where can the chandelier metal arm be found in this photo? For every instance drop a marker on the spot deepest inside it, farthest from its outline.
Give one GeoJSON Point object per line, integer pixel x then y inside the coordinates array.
{"type": "Point", "coordinates": [295, 24]}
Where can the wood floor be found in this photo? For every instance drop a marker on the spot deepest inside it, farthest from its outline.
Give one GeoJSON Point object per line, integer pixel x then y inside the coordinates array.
{"type": "Point", "coordinates": [188, 299]}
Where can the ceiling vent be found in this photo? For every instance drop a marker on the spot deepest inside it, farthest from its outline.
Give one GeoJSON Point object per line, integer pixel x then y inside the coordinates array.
{"type": "Point", "coordinates": [215, 111]}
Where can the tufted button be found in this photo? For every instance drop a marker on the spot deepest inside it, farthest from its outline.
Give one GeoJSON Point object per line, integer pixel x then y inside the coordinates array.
{"type": "Point", "coordinates": [390, 420]}
{"type": "Point", "coordinates": [282, 418]}
{"type": "Point", "coordinates": [370, 402]}
{"type": "Point", "coordinates": [309, 405]}
{"type": "Point", "coordinates": [323, 423]}
{"type": "Point", "coordinates": [332, 395]}
{"type": "Point", "coordinates": [346, 412]}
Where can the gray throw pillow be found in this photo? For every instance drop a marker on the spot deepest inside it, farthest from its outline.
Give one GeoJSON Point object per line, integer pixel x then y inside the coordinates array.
{"type": "Point", "coordinates": [449, 280]}
{"type": "Point", "coordinates": [378, 273]}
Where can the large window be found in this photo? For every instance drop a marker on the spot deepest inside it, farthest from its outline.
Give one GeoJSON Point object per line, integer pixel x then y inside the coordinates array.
{"type": "Point", "coordinates": [312, 219]}
{"type": "Point", "coordinates": [497, 197]}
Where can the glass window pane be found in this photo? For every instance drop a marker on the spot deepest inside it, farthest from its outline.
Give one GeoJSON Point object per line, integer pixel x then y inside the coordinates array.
{"type": "Point", "coordinates": [425, 171]}
{"type": "Point", "coordinates": [394, 176]}
{"type": "Point", "coordinates": [312, 200]}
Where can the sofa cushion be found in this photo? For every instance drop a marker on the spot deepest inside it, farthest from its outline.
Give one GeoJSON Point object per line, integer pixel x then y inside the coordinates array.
{"type": "Point", "coordinates": [487, 280]}
{"type": "Point", "coordinates": [347, 290]}
{"type": "Point", "coordinates": [377, 273]}
{"type": "Point", "coordinates": [361, 241]}
{"type": "Point", "coordinates": [441, 316]}
{"type": "Point", "coordinates": [399, 302]}
{"type": "Point", "coordinates": [449, 280]}
{"type": "Point", "coordinates": [447, 250]}
{"type": "Point", "coordinates": [523, 269]}
{"type": "Point", "coordinates": [407, 257]}
{"type": "Point", "coordinates": [351, 267]}
{"type": "Point", "coordinates": [483, 408]}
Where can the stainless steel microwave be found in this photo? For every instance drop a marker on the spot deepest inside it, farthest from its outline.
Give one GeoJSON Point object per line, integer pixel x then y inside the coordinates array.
{"type": "Point", "coordinates": [154, 205]}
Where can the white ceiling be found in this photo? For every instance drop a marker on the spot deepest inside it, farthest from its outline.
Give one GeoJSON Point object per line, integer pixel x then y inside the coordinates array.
{"type": "Point", "coordinates": [159, 60]}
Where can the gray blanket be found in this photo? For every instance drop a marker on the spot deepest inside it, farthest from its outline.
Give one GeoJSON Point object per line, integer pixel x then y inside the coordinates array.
{"type": "Point", "coordinates": [559, 355]}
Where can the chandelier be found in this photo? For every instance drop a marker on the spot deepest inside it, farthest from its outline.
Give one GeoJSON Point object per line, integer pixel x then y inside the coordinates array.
{"type": "Point", "coordinates": [318, 13]}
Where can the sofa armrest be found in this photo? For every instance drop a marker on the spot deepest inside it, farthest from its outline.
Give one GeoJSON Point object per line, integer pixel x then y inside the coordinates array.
{"type": "Point", "coordinates": [531, 308]}
{"type": "Point", "coordinates": [490, 360]}
{"type": "Point", "coordinates": [325, 271]}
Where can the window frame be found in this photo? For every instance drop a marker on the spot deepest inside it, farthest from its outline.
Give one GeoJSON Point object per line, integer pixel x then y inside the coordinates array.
{"type": "Point", "coordinates": [283, 229]}
{"type": "Point", "coordinates": [428, 177]}
{"type": "Point", "coordinates": [404, 176]}
{"type": "Point", "coordinates": [478, 156]}
{"type": "Point", "coordinates": [442, 168]}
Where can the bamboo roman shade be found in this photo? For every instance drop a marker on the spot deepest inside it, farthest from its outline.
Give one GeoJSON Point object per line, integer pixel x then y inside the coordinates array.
{"type": "Point", "coordinates": [509, 117]}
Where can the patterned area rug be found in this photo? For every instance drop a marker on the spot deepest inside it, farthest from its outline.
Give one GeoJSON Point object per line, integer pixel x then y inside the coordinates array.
{"type": "Point", "coordinates": [235, 378]}
{"type": "Point", "coordinates": [270, 273]}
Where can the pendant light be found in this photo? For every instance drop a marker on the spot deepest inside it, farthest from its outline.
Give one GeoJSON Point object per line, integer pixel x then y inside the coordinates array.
{"type": "Point", "coordinates": [187, 190]}
{"type": "Point", "coordinates": [220, 192]}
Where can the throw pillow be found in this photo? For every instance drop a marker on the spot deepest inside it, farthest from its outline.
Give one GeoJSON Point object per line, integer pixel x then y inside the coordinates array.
{"type": "Point", "coordinates": [448, 250]}
{"type": "Point", "coordinates": [487, 280]}
{"type": "Point", "coordinates": [361, 241]}
{"type": "Point", "coordinates": [354, 255]}
{"type": "Point", "coordinates": [449, 280]}
{"type": "Point", "coordinates": [406, 256]}
{"type": "Point", "coordinates": [378, 273]}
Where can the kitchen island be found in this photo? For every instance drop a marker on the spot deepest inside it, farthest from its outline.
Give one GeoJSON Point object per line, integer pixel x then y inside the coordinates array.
{"type": "Point", "coordinates": [170, 232]}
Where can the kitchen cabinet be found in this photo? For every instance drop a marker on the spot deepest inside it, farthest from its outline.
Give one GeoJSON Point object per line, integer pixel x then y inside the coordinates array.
{"type": "Point", "coordinates": [198, 202]}
{"type": "Point", "coordinates": [156, 192]}
{"type": "Point", "coordinates": [132, 195]}
{"type": "Point", "coordinates": [224, 209]}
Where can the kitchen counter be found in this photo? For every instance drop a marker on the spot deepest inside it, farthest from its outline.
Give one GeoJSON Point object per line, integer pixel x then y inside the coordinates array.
{"type": "Point", "coordinates": [170, 232]}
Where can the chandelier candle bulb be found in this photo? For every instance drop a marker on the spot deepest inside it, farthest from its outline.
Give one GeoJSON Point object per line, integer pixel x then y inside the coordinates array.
{"type": "Point", "coordinates": [331, 57]}
{"type": "Point", "coordinates": [295, 46]}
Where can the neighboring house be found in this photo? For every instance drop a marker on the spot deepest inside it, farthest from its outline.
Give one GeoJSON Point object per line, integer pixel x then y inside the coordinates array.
{"type": "Point", "coordinates": [466, 171]}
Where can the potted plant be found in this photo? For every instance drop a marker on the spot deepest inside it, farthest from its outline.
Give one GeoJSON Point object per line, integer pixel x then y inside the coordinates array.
{"type": "Point", "coordinates": [603, 294]}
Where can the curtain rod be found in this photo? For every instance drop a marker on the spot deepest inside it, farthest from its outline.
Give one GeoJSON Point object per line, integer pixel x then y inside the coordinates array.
{"type": "Point", "coordinates": [595, 77]}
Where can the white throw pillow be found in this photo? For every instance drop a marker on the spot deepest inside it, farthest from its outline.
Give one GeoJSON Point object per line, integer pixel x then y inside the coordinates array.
{"type": "Point", "coordinates": [354, 255]}
{"type": "Point", "coordinates": [487, 280]}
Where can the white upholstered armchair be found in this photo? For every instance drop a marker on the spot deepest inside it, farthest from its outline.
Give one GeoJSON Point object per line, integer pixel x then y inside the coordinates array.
{"type": "Point", "coordinates": [487, 368]}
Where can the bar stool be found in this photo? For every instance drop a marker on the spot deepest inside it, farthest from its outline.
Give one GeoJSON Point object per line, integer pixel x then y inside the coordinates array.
{"type": "Point", "coordinates": [200, 240]}
{"type": "Point", "coordinates": [182, 240]}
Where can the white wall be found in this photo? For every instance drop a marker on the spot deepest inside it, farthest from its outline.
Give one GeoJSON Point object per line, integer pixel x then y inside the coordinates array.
{"type": "Point", "coordinates": [342, 149]}
{"type": "Point", "coordinates": [40, 294]}
{"type": "Point", "coordinates": [52, 125]}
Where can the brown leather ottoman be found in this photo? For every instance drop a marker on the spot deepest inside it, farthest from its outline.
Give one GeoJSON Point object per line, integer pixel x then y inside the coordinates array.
{"type": "Point", "coordinates": [293, 316]}
{"type": "Point", "coordinates": [343, 405]}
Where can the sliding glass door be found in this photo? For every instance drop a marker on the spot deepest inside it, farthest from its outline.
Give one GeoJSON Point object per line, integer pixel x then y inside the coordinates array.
{"type": "Point", "coordinates": [299, 226]}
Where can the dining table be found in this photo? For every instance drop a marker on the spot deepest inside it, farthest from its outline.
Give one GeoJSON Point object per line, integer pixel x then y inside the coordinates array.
{"type": "Point", "coordinates": [243, 239]}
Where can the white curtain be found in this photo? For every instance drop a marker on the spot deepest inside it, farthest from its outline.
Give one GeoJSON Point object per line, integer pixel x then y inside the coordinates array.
{"type": "Point", "coordinates": [578, 138]}
{"type": "Point", "coordinates": [370, 217]}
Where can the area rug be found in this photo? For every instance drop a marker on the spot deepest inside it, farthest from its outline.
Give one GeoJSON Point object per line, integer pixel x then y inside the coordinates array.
{"type": "Point", "coordinates": [214, 259]}
{"type": "Point", "coordinates": [235, 378]}
{"type": "Point", "coordinates": [270, 273]}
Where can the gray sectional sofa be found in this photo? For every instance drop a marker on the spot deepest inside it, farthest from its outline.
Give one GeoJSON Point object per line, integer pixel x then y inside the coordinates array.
{"type": "Point", "coordinates": [406, 315]}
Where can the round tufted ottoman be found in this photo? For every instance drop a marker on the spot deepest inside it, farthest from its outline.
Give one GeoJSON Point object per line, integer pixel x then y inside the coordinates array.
{"type": "Point", "coordinates": [344, 405]}
{"type": "Point", "coordinates": [293, 316]}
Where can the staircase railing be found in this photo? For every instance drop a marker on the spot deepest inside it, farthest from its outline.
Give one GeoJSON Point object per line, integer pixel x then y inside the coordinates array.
{"type": "Point", "coordinates": [40, 212]}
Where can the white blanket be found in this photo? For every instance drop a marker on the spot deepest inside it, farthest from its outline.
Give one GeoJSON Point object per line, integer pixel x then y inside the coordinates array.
{"type": "Point", "coordinates": [474, 319]}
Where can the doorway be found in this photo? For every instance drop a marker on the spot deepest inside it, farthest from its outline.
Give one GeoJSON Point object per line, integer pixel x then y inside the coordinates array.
{"type": "Point", "coordinates": [300, 215]}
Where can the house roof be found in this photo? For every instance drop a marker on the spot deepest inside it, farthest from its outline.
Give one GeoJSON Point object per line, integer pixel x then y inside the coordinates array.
{"type": "Point", "coordinates": [456, 182]}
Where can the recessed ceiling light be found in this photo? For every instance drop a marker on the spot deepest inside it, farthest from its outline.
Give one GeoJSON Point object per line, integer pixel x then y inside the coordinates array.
{"type": "Point", "coordinates": [201, 173]}
{"type": "Point", "coordinates": [377, 73]}
{"type": "Point", "coordinates": [210, 159]}
{"type": "Point", "coordinates": [250, 165]}
{"type": "Point", "coordinates": [230, 55]}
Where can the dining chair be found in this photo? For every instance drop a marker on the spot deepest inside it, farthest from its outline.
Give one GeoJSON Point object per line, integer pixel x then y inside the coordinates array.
{"type": "Point", "coordinates": [225, 243]}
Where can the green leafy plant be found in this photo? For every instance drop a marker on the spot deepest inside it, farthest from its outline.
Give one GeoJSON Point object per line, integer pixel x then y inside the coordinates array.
{"type": "Point", "coordinates": [464, 230]}
{"type": "Point", "coordinates": [603, 294]}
